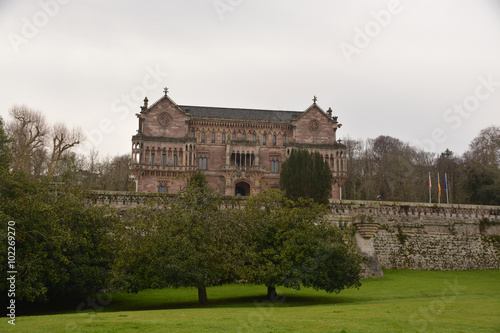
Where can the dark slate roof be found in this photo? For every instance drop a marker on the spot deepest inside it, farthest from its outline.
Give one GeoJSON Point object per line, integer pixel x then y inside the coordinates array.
{"type": "Point", "coordinates": [240, 114]}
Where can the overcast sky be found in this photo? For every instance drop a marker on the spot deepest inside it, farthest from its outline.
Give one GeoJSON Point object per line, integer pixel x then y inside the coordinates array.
{"type": "Point", "coordinates": [426, 72]}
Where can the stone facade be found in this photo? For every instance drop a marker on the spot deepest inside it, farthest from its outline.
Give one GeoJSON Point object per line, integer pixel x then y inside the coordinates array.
{"type": "Point", "coordinates": [240, 151]}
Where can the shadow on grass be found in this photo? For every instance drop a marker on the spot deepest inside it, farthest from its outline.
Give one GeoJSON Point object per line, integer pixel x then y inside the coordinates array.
{"type": "Point", "coordinates": [232, 302]}
{"type": "Point", "coordinates": [135, 302]}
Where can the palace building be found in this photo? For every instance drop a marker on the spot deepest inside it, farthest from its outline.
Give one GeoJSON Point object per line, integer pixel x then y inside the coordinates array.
{"type": "Point", "coordinates": [240, 151]}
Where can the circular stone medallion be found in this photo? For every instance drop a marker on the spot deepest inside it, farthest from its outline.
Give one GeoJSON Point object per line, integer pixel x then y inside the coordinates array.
{"type": "Point", "coordinates": [164, 119]}
{"type": "Point", "coordinates": [314, 125]}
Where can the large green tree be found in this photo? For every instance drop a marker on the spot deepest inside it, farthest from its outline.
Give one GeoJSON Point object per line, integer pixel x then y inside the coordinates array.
{"type": "Point", "coordinates": [292, 244]}
{"type": "Point", "coordinates": [187, 241]}
{"type": "Point", "coordinates": [62, 246]}
{"type": "Point", "coordinates": [306, 175]}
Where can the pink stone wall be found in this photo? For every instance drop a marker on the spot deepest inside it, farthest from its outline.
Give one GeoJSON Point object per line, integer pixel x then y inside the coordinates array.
{"type": "Point", "coordinates": [325, 133]}
{"type": "Point", "coordinates": [177, 126]}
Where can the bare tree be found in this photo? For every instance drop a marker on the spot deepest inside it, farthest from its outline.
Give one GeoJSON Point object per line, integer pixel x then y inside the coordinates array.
{"type": "Point", "coordinates": [28, 131]}
{"type": "Point", "coordinates": [63, 140]}
{"type": "Point", "coordinates": [91, 169]}
{"type": "Point", "coordinates": [485, 148]}
{"type": "Point", "coordinates": [114, 174]}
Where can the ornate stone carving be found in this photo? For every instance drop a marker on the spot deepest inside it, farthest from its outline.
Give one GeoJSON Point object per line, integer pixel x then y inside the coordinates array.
{"type": "Point", "coordinates": [164, 119]}
{"type": "Point", "coordinates": [314, 126]}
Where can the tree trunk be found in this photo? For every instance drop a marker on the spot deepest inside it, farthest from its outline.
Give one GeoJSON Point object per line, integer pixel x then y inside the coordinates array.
{"type": "Point", "coordinates": [271, 292]}
{"type": "Point", "coordinates": [202, 295]}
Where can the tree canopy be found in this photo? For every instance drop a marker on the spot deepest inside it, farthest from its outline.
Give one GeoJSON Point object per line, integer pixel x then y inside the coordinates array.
{"type": "Point", "coordinates": [197, 240]}
{"type": "Point", "coordinates": [188, 241]}
{"type": "Point", "coordinates": [63, 247]}
{"type": "Point", "coordinates": [293, 244]}
{"type": "Point", "coordinates": [306, 175]}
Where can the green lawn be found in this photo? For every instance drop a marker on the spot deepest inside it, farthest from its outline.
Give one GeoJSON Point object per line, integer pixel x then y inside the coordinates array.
{"type": "Point", "coordinates": [403, 301]}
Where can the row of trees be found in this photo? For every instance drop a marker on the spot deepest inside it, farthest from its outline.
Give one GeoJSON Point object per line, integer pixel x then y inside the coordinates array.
{"type": "Point", "coordinates": [42, 150]}
{"type": "Point", "coordinates": [395, 170]}
{"type": "Point", "coordinates": [200, 239]}
{"type": "Point", "coordinates": [67, 250]}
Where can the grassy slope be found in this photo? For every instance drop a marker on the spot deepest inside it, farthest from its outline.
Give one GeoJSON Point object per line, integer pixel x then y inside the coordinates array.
{"type": "Point", "coordinates": [403, 301]}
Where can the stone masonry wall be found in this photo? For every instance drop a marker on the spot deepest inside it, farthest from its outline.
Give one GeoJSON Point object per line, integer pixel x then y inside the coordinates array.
{"type": "Point", "coordinates": [426, 236]}
{"type": "Point", "coordinates": [436, 251]}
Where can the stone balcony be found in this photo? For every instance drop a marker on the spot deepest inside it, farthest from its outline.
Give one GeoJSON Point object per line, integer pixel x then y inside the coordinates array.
{"type": "Point", "coordinates": [235, 168]}
{"type": "Point", "coordinates": [158, 167]}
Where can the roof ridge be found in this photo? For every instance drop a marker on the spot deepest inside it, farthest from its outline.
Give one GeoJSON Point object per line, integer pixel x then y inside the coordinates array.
{"type": "Point", "coordinates": [231, 108]}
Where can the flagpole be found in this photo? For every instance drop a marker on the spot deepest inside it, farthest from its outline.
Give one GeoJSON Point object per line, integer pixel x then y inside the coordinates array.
{"type": "Point", "coordinates": [439, 190]}
{"type": "Point", "coordinates": [446, 188]}
{"type": "Point", "coordinates": [430, 186]}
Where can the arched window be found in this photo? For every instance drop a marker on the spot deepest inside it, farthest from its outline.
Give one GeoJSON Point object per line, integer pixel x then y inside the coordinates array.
{"type": "Point", "coordinates": [223, 137]}
{"type": "Point", "coordinates": [254, 138]}
{"type": "Point", "coordinates": [264, 140]}
{"type": "Point", "coordinates": [274, 140]}
{"type": "Point", "coordinates": [162, 189]}
{"type": "Point", "coordinates": [284, 140]}
{"type": "Point", "coordinates": [202, 163]}
{"type": "Point", "coordinates": [275, 166]}
{"type": "Point", "coordinates": [202, 136]}
{"type": "Point", "coordinates": [213, 137]}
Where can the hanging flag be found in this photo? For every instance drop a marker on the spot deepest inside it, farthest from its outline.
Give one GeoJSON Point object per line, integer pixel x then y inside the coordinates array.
{"type": "Point", "coordinates": [430, 186]}
{"type": "Point", "coordinates": [446, 188]}
{"type": "Point", "coordinates": [439, 189]}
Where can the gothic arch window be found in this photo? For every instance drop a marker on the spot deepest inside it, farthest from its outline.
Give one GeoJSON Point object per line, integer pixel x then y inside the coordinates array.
{"type": "Point", "coordinates": [202, 136]}
{"type": "Point", "coordinates": [223, 137]}
{"type": "Point", "coordinates": [162, 189]}
{"type": "Point", "coordinates": [202, 162]}
{"type": "Point", "coordinates": [264, 139]}
{"type": "Point", "coordinates": [275, 166]}
{"type": "Point", "coordinates": [274, 140]}
{"type": "Point", "coordinates": [213, 137]}
{"type": "Point", "coordinates": [164, 158]}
